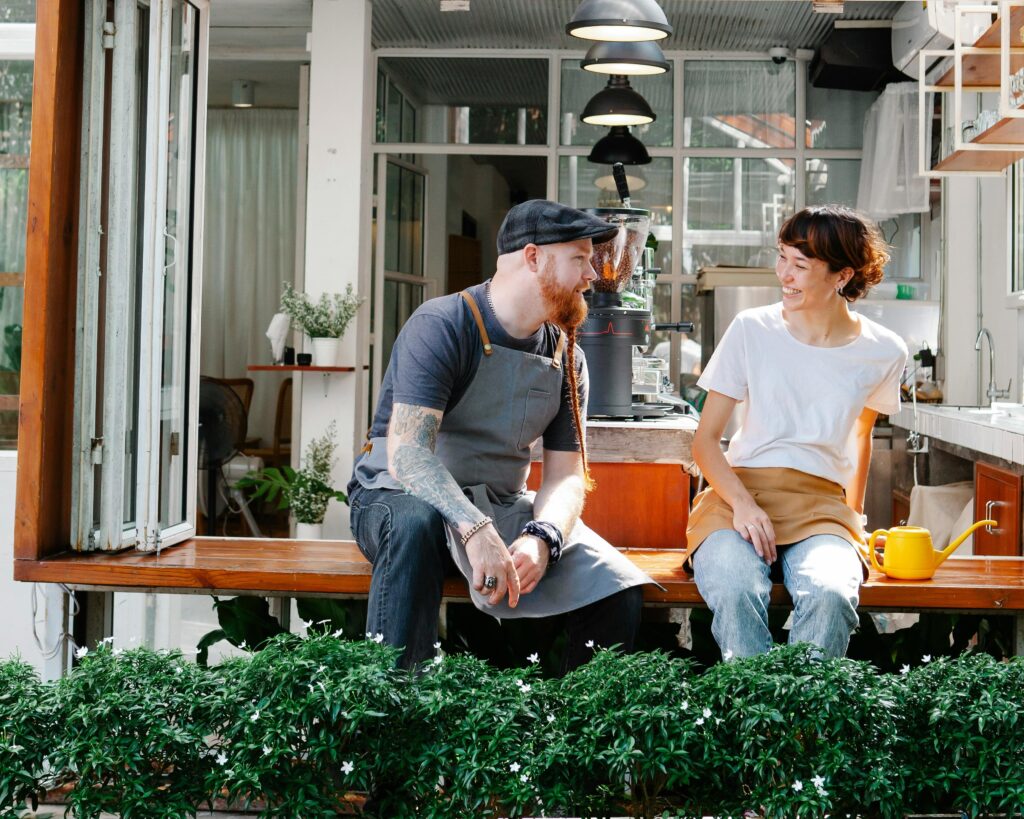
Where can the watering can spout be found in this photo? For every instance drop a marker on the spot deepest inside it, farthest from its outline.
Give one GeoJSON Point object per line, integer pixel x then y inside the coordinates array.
{"type": "Point", "coordinates": [941, 556]}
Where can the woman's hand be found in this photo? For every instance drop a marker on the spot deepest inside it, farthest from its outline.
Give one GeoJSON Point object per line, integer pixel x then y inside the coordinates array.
{"type": "Point", "coordinates": [754, 525]}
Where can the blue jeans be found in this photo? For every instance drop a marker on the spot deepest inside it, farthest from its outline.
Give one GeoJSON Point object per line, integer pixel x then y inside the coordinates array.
{"type": "Point", "coordinates": [404, 538]}
{"type": "Point", "coordinates": [821, 573]}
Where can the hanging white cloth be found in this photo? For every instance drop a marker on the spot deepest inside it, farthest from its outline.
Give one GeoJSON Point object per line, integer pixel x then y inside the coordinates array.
{"type": "Point", "coordinates": [889, 182]}
{"type": "Point", "coordinates": [248, 245]}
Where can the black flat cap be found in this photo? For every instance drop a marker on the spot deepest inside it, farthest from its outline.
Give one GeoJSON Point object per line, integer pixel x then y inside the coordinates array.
{"type": "Point", "coordinates": [543, 222]}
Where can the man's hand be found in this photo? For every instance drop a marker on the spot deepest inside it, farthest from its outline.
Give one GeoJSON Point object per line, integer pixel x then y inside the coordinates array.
{"type": "Point", "coordinates": [530, 556]}
{"type": "Point", "coordinates": [490, 558]}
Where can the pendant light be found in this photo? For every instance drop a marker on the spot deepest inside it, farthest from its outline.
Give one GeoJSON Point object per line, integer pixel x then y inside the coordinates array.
{"type": "Point", "coordinates": [642, 58]}
{"type": "Point", "coordinates": [619, 21]}
{"type": "Point", "coordinates": [617, 104]}
{"type": "Point", "coordinates": [619, 145]}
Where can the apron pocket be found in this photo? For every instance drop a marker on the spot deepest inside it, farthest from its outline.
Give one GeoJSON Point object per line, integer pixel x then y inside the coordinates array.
{"type": "Point", "coordinates": [535, 417]}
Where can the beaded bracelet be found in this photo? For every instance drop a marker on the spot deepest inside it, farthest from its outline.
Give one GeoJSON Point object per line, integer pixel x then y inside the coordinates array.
{"type": "Point", "coordinates": [475, 528]}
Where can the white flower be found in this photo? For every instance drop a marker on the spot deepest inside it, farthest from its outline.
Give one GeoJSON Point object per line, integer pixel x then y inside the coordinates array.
{"type": "Point", "coordinates": [590, 643]}
{"type": "Point", "coordinates": [727, 655]}
{"type": "Point", "coordinates": [514, 767]}
{"type": "Point", "coordinates": [378, 638]}
{"type": "Point", "coordinates": [927, 658]}
{"type": "Point", "coordinates": [718, 720]}
{"type": "Point", "coordinates": [819, 784]}
{"type": "Point", "coordinates": [437, 646]}
{"type": "Point", "coordinates": [243, 645]}
{"type": "Point", "coordinates": [347, 767]}
{"type": "Point", "coordinates": [106, 640]}
{"type": "Point", "coordinates": [798, 786]}
{"type": "Point", "coordinates": [524, 778]}
{"type": "Point", "coordinates": [368, 635]}
{"type": "Point", "coordinates": [316, 720]}
{"type": "Point", "coordinates": [222, 758]}
{"type": "Point", "coordinates": [320, 669]}
{"type": "Point", "coordinates": [267, 750]}
{"type": "Point", "coordinates": [254, 717]}
{"type": "Point", "coordinates": [438, 660]}
{"type": "Point", "coordinates": [905, 669]}
{"type": "Point", "coordinates": [321, 622]}
{"type": "Point", "coordinates": [81, 652]}
{"type": "Point", "coordinates": [686, 704]}
{"type": "Point", "coordinates": [551, 717]}
{"type": "Point", "coordinates": [337, 633]}
{"type": "Point", "coordinates": [524, 687]}
{"type": "Point", "coordinates": [117, 652]}
{"type": "Point", "coordinates": [700, 720]}
{"type": "Point", "coordinates": [534, 658]}
{"type": "Point", "coordinates": [706, 712]}
{"type": "Point", "coordinates": [306, 624]}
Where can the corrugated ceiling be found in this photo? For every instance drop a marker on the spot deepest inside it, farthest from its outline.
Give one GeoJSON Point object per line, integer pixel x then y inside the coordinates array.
{"type": "Point", "coordinates": [700, 25]}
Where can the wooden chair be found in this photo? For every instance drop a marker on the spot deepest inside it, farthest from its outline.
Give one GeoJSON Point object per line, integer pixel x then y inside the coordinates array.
{"type": "Point", "coordinates": [280, 451]}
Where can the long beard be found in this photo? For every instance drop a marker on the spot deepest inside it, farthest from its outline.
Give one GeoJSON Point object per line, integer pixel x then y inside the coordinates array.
{"type": "Point", "coordinates": [565, 307]}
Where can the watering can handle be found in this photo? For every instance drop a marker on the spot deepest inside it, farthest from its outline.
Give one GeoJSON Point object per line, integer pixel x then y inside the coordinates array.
{"type": "Point", "coordinates": [871, 547]}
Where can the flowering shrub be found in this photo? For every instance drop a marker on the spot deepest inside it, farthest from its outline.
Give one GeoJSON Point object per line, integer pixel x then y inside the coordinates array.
{"type": "Point", "coordinates": [306, 491]}
{"type": "Point", "coordinates": [328, 317]}
{"type": "Point", "coordinates": [302, 725]}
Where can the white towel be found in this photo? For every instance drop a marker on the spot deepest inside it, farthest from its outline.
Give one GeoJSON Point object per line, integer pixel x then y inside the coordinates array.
{"type": "Point", "coordinates": [938, 508]}
{"type": "Point", "coordinates": [277, 332]}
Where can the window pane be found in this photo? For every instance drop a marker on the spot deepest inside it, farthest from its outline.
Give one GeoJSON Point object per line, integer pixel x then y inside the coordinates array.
{"type": "Point", "coordinates": [578, 86]}
{"type": "Point", "coordinates": [467, 100]}
{"type": "Point", "coordinates": [733, 209]}
{"type": "Point", "coordinates": [741, 104]}
{"type": "Point", "coordinates": [835, 118]}
{"type": "Point", "coordinates": [15, 130]}
{"type": "Point", "coordinates": [177, 268]}
{"type": "Point", "coordinates": [400, 300]}
{"type": "Point", "coordinates": [832, 181]}
{"type": "Point", "coordinates": [583, 184]}
{"type": "Point", "coordinates": [903, 233]}
{"type": "Point", "coordinates": [18, 11]}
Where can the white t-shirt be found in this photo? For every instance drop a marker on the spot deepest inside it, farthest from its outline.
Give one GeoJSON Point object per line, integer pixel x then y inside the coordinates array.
{"type": "Point", "coordinates": [802, 401]}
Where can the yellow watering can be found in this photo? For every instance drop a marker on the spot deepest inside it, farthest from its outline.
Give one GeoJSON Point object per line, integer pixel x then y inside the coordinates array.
{"type": "Point", "coordinates": [908, 551]}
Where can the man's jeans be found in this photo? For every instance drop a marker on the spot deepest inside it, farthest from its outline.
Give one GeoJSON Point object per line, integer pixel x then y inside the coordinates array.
{"type": "Point", "coordinates": [821, 573]}
{"type": "Point", "coordinates": [404, 538]}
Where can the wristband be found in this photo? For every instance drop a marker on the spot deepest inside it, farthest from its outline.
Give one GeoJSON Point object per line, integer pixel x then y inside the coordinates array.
{"type": "Point", "coordinates": [550, 534]}
{"type": "Point", "coordinates": [474, 529]}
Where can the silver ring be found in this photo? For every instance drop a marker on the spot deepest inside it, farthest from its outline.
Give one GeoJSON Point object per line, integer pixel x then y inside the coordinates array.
{"type": "Point", "coordinates": [490, 582]}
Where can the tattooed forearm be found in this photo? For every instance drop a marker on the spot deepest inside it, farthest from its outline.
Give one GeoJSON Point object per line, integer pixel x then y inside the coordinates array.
{"type": "Point", "coordinates": [411, 460]}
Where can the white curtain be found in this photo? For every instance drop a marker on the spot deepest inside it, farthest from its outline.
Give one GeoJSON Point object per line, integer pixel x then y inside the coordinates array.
{"type": "Point", "coordinates": [889, 182]}
{"type": "Point", "coordinates": [248, 246]}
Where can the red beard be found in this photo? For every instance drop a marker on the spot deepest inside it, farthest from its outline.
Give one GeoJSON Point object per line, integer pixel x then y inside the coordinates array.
{"type": "Point", "coordinates": [565, 307]}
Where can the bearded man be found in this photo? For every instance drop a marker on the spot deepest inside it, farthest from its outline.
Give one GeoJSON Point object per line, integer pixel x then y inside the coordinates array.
{"type": "Point", "coordinates": [475, 378]}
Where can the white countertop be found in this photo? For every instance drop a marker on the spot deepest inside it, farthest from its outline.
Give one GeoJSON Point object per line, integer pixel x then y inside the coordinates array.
{"type": "Point", "coordinates": [1000, 433]}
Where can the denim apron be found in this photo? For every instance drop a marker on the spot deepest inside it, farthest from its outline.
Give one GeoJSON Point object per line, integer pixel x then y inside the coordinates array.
{"type": "Point", "coordinates": [485, 442]}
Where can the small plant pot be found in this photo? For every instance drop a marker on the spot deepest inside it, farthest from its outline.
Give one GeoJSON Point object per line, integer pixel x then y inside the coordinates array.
{"type": "Point", "coordinates": [309, 531]}
{"type": "Point", "coordinates": [325, 352]}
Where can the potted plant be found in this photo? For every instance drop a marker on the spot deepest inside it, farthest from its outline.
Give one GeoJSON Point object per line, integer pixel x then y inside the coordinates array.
{"type": "Point", "coordinates": [324, 320]}
{"type": "Point", "coordinates": [306, 491]}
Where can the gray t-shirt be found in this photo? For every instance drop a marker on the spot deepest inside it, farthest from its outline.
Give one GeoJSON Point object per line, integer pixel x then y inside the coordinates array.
{"type": "Point", "coordinates": [438, 350]}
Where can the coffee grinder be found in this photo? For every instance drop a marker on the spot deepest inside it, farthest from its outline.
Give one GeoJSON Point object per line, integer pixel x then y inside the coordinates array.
{"type": "Point", "coordinates": [612, 330]}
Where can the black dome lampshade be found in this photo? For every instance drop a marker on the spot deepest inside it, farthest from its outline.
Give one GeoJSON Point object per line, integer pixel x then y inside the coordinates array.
{"type": "Point", "coordinates": [619, 21]}
{"type": "Point", "coordinates": [619, 145]}
{"type": "Point", "coordinates": [626, 58]}
{"type": "Point", "coordinates": [617, 104]}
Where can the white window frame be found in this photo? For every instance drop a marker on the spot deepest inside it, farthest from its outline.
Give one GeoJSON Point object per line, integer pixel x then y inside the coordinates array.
{"type": "Point", "coordinates": [124, 223]}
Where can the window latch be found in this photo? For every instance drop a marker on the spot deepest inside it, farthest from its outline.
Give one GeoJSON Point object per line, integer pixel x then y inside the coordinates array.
{"type": "Point", "coordinates": [97, 450]}
{"type": "Point", "coordinates": [108, 35]}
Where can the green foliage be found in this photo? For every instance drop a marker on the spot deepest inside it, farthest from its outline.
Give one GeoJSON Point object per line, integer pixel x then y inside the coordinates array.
{"type": "Point", "coordinates": [328, 317]}
{"type": "Point", "coordinates": [306, 491]}
{"type": "Point", "coordinates": [245, 622]}
{"type": "Point", "coordinates": [301, 725]}
{"type": "Point", "coordinates": [27, 725]}
{"type": "Point", "coordinates": [132, 733]}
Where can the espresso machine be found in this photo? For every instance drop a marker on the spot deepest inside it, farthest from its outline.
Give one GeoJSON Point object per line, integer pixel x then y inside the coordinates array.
{"type": "Point", "coordinates": [619, 322]}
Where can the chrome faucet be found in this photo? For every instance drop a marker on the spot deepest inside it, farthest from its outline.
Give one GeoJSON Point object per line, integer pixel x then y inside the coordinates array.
{"type": "Point", "coordinates": [993, 392]}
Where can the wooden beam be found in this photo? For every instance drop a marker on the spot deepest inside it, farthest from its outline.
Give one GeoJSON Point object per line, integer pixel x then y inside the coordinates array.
{"type": "Point", "coordinates": [42, 509]}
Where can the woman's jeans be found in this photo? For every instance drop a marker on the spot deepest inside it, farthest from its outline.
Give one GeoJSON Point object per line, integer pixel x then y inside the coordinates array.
{"type": "Point", "coordinates": [821, 573]}
{"type": "Point", "coordinates": [404, 539]}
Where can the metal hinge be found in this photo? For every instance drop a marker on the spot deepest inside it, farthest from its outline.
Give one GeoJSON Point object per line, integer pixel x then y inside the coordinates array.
{"type": "Point", "coordinates": [97, 450]}
{"type": "Point", "coordinates": [108, 35]}
{"type": "Point", "coordinates": [173, 447]}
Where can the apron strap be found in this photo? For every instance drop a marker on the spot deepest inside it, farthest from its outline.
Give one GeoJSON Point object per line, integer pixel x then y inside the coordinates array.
{"type": "Point", "coordinates": [478, 319]}
{"type": "Point", "coordinates": [556, 362]}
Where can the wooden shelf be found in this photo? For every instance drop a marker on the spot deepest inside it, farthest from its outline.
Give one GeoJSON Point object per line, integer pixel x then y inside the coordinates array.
{"type": "Point", "coordinates": [295, 368]}
{"type": "Point", "coordinates": [983, 69]}
{"type": "Point", "coordinates": [979, 160]}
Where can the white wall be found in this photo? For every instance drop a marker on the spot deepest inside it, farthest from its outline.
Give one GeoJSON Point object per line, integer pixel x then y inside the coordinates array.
{"type": "Point", "coordinates": [16, 598]}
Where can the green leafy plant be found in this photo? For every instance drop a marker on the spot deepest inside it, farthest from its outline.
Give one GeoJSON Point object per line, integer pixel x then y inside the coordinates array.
{"type": "Point", "coordinates": [133, 733]}
{"type": "Point", "coordinates": [328, 317]}
{"type": "Point", "coordinates": [27, 728]}
{"type": "Point", "coordinates": [307, 490]}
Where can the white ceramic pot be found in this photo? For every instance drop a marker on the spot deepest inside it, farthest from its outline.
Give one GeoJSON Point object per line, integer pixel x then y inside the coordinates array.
{"type": "Point", "coordinates": [325, 352]}
{"type": "Point", "coordinates": [309, 531]}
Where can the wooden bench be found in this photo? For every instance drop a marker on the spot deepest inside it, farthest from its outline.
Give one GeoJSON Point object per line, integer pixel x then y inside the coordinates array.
{"type": "Point", "coordinates": [337, 568]}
